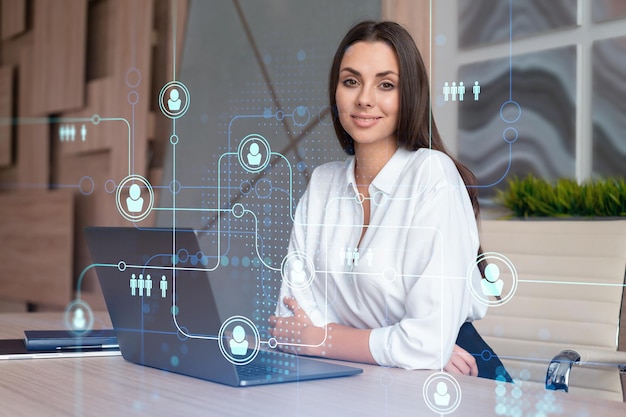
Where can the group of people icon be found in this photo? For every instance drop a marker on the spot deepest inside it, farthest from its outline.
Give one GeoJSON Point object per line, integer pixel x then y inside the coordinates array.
{"type": "Point", "coordinates": [452, 91]}
{"type": "Point", "coordinates": [352, 257]}
{"type": "Point", "coordinates": [67, 133]}
{"type": "Point", "coordinates": [139, 284]}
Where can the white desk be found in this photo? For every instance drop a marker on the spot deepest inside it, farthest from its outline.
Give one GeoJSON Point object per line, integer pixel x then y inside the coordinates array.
{"type": "Point", "coordinates": [106, 386]}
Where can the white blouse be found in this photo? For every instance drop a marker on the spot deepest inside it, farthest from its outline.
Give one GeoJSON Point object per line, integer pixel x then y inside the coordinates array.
{"type": "Point", "coordinates": [408, 278]}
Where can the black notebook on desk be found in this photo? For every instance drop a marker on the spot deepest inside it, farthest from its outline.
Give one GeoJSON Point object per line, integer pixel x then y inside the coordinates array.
{"type": "Point", "coordinates": [38, 340]}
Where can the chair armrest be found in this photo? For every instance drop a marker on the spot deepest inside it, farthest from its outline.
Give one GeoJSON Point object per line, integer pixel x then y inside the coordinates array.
{"type": "Point", "coordinates": [557, 376]}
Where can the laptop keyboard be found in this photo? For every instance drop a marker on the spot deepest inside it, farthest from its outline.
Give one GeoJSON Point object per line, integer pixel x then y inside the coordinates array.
{"type": "Point", "coordinates": [265, 367]}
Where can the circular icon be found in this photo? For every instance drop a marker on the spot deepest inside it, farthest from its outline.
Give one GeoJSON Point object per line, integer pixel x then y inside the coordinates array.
{"type": "Point", "coordinates": [297, 270]}
{"type": "Point", "coordinates": [254, 153]}
{"type": "Point", "coordinates": [234, 340]}
{"type": "Point", "coordinates": [442, 393]}
{"type": "Point", "coordinates": [174, 99]}
{"type": "Point", "coordinates": [78, 317]}
{"type": "Point", "coordinates": [130, 199]}
{"type": "Point", "coordinates": [494, 289]}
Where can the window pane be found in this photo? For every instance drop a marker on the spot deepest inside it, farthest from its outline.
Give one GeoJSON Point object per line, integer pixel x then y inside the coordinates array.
{"type": "Point", "coordinates": [603, 10]}
{"type": "Point", "coordinates": [488, 21]}
{"type": "Point", "coordinates": [609, 107]}
{"type": "Point", "coordinates": [525, 115]}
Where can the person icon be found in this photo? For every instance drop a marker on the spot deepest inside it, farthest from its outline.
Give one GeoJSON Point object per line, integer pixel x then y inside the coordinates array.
{"type": "Point", "coordinates": [446, 91]}
{"type": "Point", "coordinates": [476, 90]}
{"type": "Point", "coordinates": [239, 344]}
{"type": "Point", "coordinates": [174, 101]}
{"type": "Point", "coordinates": [454, 90]}
{"type": "Point", "coordinates": [83, 133]}
{"type": "Point", "coordinates": [141, 285]}
{"type": "Point", "coordinates": [78, 319]}
{"type": "Point", "coordinates": [163, 286]}
{"type": "Point", "coordinates": [148, 285]}
{"type": "Point", "coordinates": [298, 274]}
{"type": "Point", "coordinates": [492, 284]}
{"type": "Point", "coordinates": [133, 285]}
{"type": "Point", "coordinates": [442, 396]}
{"type": "Point", "coordinates": [254, 156]}
{"type": "Point", "coordinates": [461, 91]}
{"type": "Point", "coordinates": [134, 201]}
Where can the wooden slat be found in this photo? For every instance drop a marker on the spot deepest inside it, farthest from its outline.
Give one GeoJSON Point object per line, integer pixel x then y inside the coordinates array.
{"type": "Point", "coordinates": [12, 18]}
{"type": "Point", "coordinates": [59, 55]}
{"type": "Point", "coordinates": [37, 264]}
{"type": "Point", "coordinates": [415, 16]}
{"type": "Point", "coordinates": [6, 114]}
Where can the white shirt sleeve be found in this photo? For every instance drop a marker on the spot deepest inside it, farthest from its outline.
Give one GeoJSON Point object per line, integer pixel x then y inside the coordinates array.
{"type": "Point", "coordinates": [438, 299]}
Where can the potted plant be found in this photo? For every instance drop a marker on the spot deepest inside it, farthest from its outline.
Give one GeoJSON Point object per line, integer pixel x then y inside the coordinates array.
{"type": "Point", "coordinates": [532, 197]}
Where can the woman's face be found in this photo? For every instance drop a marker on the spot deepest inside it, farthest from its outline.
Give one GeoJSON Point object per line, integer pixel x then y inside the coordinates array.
{"type": "Point", "coordinates": [367, 95]}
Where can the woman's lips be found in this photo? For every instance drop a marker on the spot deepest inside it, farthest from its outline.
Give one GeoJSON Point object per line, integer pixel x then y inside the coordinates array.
{"type": "Point", "coordinates": [365, 121]}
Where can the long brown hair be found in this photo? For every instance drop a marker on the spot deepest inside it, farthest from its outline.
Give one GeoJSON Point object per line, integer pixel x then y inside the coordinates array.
{"type": "Point", "coordinates": [416, 125]}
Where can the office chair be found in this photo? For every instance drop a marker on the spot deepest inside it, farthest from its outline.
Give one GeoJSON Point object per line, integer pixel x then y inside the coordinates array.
{"type": "Point", "coordinates": [565, 311]}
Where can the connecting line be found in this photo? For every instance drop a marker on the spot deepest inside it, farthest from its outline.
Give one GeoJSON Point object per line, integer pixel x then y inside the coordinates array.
{"type": "Point", "coordinates": [508, 168]}
{"type": "Point", "coordinates": [79, 282]}
{"type": "Point", "coordinates": [599, 284]}
{"type": "Point", "coordinates": [183, 332]}
{"type": "Point", "coordinates": [256, 240]}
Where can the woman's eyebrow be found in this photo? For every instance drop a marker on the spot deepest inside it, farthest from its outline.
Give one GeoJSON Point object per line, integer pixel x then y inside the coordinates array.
{"type": "Point", "coordinates": [379, 75]}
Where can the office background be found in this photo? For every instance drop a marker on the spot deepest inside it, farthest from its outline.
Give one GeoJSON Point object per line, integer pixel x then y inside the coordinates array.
{"type": "Point", "coordinates": [80, 84]}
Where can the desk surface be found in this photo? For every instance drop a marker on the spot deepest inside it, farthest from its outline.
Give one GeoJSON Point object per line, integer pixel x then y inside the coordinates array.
{"type": "Point", "coordinates": [101, 386]}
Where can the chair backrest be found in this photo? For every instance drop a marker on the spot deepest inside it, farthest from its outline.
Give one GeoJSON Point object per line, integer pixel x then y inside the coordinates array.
{"type": "Point", "coordinates": [569, 295]}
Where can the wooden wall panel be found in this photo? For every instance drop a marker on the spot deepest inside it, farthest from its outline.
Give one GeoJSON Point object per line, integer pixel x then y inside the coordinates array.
{"type": "Point", "coordinates": [59, 55]}
{"type": "Point", "coordinates": [12, 18]}
{"type": "Point", "coordinates": [6, 115]}
{"type": "Point", "coordinates": [415, 16]}
{"type": "Point", "coordinates": [37, 261]}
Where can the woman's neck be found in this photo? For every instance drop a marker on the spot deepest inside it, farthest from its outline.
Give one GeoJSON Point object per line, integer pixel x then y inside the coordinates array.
{"type": "Point", "coordinates": [370, 159]}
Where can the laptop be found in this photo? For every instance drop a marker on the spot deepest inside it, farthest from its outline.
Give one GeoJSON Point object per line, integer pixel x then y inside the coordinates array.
{"type": "Point", "coordinates": [167, 317]}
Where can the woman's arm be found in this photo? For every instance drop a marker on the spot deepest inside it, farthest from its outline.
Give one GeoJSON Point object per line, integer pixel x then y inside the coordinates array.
{"type": "Point", "coordinates": [297, 334]}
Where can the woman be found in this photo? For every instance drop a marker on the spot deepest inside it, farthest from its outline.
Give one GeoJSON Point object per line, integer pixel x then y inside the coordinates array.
{"type": "Point", "coordinates": [382, 243]}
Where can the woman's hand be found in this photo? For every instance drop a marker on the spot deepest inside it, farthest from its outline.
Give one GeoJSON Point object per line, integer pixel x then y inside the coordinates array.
{"type": "Point", "coordinates": [462, 362]}
{"type": "Point", "coordinates": [297, 334]}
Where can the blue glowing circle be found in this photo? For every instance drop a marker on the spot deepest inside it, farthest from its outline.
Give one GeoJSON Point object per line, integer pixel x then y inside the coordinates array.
{"type": "Point", "coordinates": [224, 260]}
{"type": "Point", "coordinates": [109, 186]}
{"type": "Point", "coordinates": [78, 317]}
{"type": "Point", "coordinates": [510, 111]}
{"type": "Point", "coordinates": [245, 187]}
{"type": "Point", "coordinates": [182, 96]}
{"type": "Point", "coordinates": [301, 55]}
{"type": "Point", "coordinates": [175, 187]}
{"type": "Point", "coordinates": [254, 153]}
{"type": "Point", "coordinates": [174, 360]}
{"type": "Point", "coordinates": [174, 139]}
{"type": "Point", "coordinates": [510, 135]}
{"type": "Point", "coordinates": [486, 355]}
{"type": "Point", "coordinates": [133, 77]}
{"type": "Point", "coordinates": [87, 181]}
{"type": "Point", "coordinates": [95, 119]}
{"type": "Point", "coordinates": [238, 210]}
{"type": "Point", "coordinates": [234, 261]}
{"type": "Point", "coordinates": [280, 115]}
{"type": "Point", "coordinates": [301, 116]}
{"type": "Point", "coordinates": [123, 205]}
{"type": "Point", "coordinates": [175, 310]}
{"type": "Point", "coordinates": [267, 222]}
{"type": "Point", "coordinates": [133, 98]}
{"type": "Point", "coordinates": [182, 255]}
{"type": "Point", "coordinates": [263, 188]}
{"type": "Point", "coordinates": [301, 166]}
{"type": "Point", "coordinates": [245, 261]}
{"type": "Point", "coordinates": [121, 266]}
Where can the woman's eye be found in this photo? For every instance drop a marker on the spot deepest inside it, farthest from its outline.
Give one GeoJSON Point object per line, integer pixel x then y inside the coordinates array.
{"type": "Point", "coordinates": [387, 86]}
{"type": "Point", "coordinates": [349, 82]}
